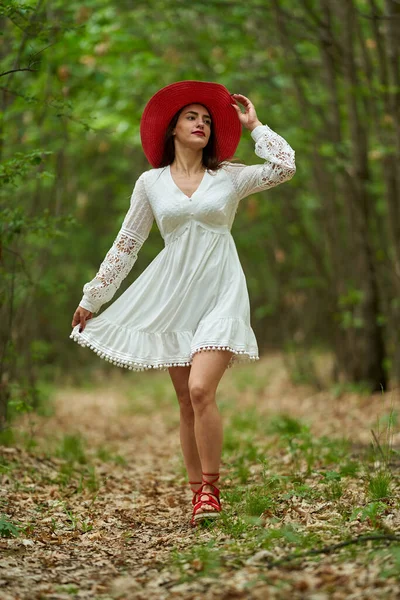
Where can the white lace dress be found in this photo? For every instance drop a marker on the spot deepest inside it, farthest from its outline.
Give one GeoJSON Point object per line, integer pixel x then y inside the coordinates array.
{"type": "Point", "coordinates": [193, 296]}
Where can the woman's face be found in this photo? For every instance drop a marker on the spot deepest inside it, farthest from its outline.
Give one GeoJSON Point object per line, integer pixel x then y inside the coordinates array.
{"type": "Point", "coordinates": [193, 128]}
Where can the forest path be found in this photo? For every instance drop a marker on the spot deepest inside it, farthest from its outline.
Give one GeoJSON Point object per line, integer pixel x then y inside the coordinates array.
{"type": "Point", "coordinates": [104, 504]}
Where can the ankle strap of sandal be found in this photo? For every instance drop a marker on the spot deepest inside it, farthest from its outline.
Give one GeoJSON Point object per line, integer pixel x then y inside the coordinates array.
{"type": "Point", "coordinates": [215, 475]}
{"type": "Point", "coordinates": [195, 483]}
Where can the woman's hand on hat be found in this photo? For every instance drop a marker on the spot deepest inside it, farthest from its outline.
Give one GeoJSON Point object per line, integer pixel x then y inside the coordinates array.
{"type": "Point", "coordinates": [248, 118]}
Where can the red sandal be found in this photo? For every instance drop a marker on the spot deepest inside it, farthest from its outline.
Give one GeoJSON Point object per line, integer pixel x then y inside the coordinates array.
{"type": "Point", "coordinates": [195, 492]}
{"type": "Point", "coordinates": [212, 499]}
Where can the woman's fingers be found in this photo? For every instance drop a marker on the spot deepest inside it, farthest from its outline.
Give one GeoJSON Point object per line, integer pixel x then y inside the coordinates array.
{"type": "Point", "coordinates": [75, 318]}
{"type": "Point", "coordinates": [237, 108]}
{"type": "Point", "coordinates": [85, 316]}
{"type": "Point", "coordinates": [249, 110]}
{"type": "Point", "coordinates": [240, 96]}
{"type": "Point", "coordinates": [80, 317]}
{"type": "Point", "coordinates": [248, 118]}
{"type": "Point", "coordinates": [242, 99]}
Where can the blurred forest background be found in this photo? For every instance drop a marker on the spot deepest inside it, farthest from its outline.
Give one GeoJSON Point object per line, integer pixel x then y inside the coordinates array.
{"type": "Point", "coordinates": [321, 253]}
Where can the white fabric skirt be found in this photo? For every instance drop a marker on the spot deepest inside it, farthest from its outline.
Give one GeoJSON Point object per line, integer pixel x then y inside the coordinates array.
{"type": "Point", "coordinates": [192, 297]}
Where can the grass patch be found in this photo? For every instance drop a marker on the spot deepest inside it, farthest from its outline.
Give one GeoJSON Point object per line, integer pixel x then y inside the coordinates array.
{"type": "Point", "coordinates": [379, 485]}
{"type": "Point", "coordinates": [372, 513]}
{"type": "Point", "coordinates": [246, 421]}
{"type": "Point", "coordinates": [257, 501]}
{"type": "Point", "coordinates": [7, 437]}
{"type": "Point", "coordinates": [200, 561]}
{"type": "Point", "coordinates": [106, 455]}
{"type": "Point", "coordinates": [148, 392]}
{"type": "Point", "coordinates": [6, 465]}
{"type": "Point", "coordinates": [286, 426]}
{"type": "Point", "coordinates": [291, 535]}
{"type": "Point", "coordinates": [72, 449]}
{"type": "Point", "coordinates": [246, 379]}
{"type": "Point", "coordinates": [390, 563]}
{"type": "Point", "coordinates": [290, 491]}
{"type": "Point", "coordinates": [67, 589]}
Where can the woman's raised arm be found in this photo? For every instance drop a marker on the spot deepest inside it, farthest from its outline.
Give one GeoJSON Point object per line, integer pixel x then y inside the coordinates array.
{"type": "Point", "coordinates": [279, 156]}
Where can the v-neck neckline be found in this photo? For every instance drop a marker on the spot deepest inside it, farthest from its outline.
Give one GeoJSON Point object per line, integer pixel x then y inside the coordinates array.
{"type": "Point", "coordinates": [179, 189]}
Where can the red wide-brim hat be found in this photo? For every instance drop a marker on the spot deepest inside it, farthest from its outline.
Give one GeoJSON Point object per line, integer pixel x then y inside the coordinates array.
{"type": "Point", "coordinates": [166, 102]}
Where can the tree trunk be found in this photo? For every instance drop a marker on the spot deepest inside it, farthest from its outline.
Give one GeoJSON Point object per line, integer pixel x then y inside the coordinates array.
{"type": "Point", "coordinates": [367, 363]}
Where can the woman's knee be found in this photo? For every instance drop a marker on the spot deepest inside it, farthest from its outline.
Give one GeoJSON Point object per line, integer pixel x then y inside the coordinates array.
{"type": "Point", "coordinates": [200, 394]}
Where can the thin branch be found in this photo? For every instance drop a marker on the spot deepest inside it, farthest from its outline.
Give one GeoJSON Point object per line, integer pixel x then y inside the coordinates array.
{"type": "Point", "coordinates": [42, 50]}
{"type": "Point", "coordinates": [18, 256]}
{"type": "Point", "coordinates": [16, 71]}
{"type": "Point", "coordinates": [270, 564]}
{"type": "Point", "coordinates": [332, 547]}
{"type": "Point", "coordinates": [319, 31]}
{"type": "Point", "coordinates": [31, 62]}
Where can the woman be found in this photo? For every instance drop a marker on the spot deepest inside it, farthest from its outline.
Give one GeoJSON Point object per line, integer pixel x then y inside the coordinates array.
{"type": "Point", "coordinates": [193, 297]}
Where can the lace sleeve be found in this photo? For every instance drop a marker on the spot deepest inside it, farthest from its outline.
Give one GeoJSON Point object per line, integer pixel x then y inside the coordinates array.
{"type": "Point", "coordinates": [279, 166]}
{"type": "Point", "coordinates": [122, 255]}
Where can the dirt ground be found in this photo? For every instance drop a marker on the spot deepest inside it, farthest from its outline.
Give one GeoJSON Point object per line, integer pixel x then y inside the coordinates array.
{"type": "Point", "coordinates": [106, 527]}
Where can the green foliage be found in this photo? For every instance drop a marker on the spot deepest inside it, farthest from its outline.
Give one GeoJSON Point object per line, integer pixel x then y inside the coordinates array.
{"type": "Point", "coordinates": [256, 501]}
{"type": "Point", "coordinates": [287, 426]}
{"type": "Point", "coordinates": [382, 440]}
{"type": "Point", "coordinates": [334, 491]}
{"type": "Point", "coordinates": [76, 78]}
{"type": "Point", "coordinates": [14, 170]}
{"type": "Point", "coordinates": [106, 455]}
{"type": "Point", "coordinates": [7, 437]}
{"type": "Point", "coordinates": [7, 528]}
{"type": "Point", "coordinates": [379, 485]}
{"type": "Point", "coordinates": [393, 570]}
{"type": "Point", "coordinates": [372, 512]}
{"type": "Point", "coordinates": [246, 420]}
{"type": "Point", "coordinates": [362, 388]}
{"type": "Point", "coordinates": [349, 469]}
{"type": "Point", "coordinates": [72, 449]}
{"type": "Point", "coordinates": [290, 534]}
{"type": "Point", "coordinates": [67, 589]}
{"type": "Point", "coordinates": [200, 560]}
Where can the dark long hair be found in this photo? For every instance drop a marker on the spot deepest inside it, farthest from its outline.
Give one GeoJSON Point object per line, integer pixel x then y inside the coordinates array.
{"type": "Point", "coordinates": [210, 159]}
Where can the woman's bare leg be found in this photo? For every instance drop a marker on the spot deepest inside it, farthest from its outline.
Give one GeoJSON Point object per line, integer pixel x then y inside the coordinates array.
{"type": "Point", "coordinates": [205, 374]}
{"type": "Point", "coordinates": [180, 378]}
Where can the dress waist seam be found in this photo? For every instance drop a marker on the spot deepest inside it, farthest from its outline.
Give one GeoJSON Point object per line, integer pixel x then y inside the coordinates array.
{"type": "Point", "coordinates": [171, 237]}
